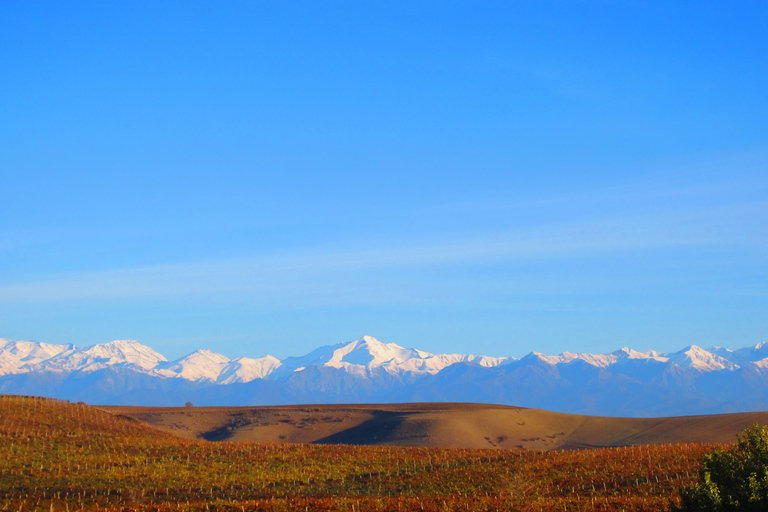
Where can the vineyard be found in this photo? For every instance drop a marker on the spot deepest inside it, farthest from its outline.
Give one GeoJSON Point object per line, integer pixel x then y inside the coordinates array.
{"type": "Point", "coordinates": [62, 457]}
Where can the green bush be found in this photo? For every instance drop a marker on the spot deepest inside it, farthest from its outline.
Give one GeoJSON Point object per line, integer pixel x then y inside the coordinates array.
{"type": "Point", "coordinates": [732, 479]}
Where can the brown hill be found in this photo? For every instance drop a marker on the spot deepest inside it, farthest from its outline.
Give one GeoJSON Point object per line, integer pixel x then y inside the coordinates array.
{"type": "Point", "coordinates": [29, 417]}
{"type": "Point", "coordinates": [437, 424]}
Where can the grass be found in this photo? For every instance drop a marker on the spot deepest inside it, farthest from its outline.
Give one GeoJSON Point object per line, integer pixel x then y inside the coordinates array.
{"type": "Point", "coordinates": [57, 456]}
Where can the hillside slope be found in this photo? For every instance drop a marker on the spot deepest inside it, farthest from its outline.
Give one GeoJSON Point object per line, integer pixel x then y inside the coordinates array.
{"type": "Point", "coordinates": [438, 425]}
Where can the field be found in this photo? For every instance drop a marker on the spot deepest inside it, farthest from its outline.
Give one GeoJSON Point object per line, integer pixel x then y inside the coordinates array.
{"type": "Point", "coordinates": [57, 456]}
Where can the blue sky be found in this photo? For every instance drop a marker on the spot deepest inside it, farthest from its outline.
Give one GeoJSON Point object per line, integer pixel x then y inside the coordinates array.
{"type": "Point", "coordinates": [486, 177]}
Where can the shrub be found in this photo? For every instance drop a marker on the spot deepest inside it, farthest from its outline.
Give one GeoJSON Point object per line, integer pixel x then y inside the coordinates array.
{"type": "Point", "coordinates": [732, 479]}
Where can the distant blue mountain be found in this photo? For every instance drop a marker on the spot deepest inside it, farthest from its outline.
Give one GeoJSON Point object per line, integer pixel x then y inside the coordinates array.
{"type": "Point", "coordinates": [622, 383]}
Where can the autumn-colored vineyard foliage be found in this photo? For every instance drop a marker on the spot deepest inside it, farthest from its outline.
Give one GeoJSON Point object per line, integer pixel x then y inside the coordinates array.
{"type": "Point", "coordinates": [62, 457]}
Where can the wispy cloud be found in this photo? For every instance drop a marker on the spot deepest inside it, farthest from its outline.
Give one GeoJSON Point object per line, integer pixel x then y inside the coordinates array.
{"type": "Point", "coordinates": [339, 270]}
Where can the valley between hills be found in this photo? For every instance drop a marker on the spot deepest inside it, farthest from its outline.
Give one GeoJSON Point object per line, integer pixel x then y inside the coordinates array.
{"type": "Point", "coordinates": [444, 425]}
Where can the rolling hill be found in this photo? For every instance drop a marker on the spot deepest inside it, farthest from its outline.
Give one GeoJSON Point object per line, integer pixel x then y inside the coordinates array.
{"type": "Point", "coordinates": [447, 425]}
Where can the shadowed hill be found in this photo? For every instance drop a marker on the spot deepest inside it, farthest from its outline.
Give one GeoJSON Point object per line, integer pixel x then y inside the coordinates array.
{"type": "Point", "coordinates": [437, 425]}
{"type": "Point", "coordinates": [443, 425]}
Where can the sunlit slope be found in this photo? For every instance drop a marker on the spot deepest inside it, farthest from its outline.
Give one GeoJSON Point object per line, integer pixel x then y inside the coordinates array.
{"type": "Point", "coordinates": [438, 425]}
{"type": "Point", "coordinates": [36, 419]}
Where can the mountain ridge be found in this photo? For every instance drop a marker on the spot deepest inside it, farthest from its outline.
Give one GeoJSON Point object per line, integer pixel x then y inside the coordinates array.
{"type": "Point", "coordinates": [692, 380]}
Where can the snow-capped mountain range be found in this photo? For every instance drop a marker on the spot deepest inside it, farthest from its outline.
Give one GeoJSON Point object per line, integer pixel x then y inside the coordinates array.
{"type": "Point", "coordinates": [624, 382]}
{"type": "Point", "coordinates": [357, 357]}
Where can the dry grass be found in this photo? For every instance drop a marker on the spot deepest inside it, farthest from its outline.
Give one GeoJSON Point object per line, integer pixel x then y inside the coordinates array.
{"type": "Point", "coordinates": [437, 425]}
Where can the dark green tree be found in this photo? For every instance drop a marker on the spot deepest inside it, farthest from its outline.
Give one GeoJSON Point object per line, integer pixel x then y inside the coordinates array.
{"type": "Point", "coordinates": [733, 479]}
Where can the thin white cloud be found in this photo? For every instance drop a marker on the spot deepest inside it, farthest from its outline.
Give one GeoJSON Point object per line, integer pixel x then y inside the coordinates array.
{"type": "Point", "coordinates": [349, 270]}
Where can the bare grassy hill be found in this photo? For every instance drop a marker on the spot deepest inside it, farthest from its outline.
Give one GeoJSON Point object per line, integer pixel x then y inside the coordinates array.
{"type": "Point", "coordinates": [448, 425]}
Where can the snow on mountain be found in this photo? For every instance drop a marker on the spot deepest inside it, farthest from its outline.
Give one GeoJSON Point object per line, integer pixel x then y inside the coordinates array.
{"type": "Point", "coordinates": [599, 360]}
{"type": "Point", "coordinates": [626, 353]}
{"type": "Point", "coordinates": [746, 355]}
{"type": "Point", "coordinates": [15, 355]}
{"type": "Point", "coordinates": [115, 353]}
{"type": "Point", "coordinates": [317, 357]}
{"type": "Point", "coordinates": [725, 353]}
{"type": "Point", "coordinates": [245, 369]}
{"type": "Point", "coordinates": [490, 362]}
{"type": "Point", "coordinates": [553, 360]}
{"type": "Point", "coordinates": [199, 365]}
{"type": "Point", "coordinates": [357, 357]}
{"type": "Point", "coordinates": [623, 382]}
{"type": "Point", "coordinates": [360, 356]}
{"type": "Point", "coordinates": [368, 352]}
{"type": "Point", "coordinates": [696, 358]}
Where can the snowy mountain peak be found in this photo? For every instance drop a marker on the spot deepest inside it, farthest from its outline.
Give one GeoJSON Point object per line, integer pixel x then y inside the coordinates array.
{"type": "Point", "coordinates": [199, 365]}
{"type": "Point", "coordinates": [538, 356]}
{"type": "Point", "coordinates": [370, 352]}
{"type": "Point", "coordinates": [16, 356]}
{"type": "Point", "coordinates": [375, 346]}
{"type": "Point", "coordinates": [205, 355]}
{"type": "Point", "coordinates": [121, 344]}
{"type": "Point", "coordinates": [725, 354]}
{"type": "Point", "coordinates": [245, 369]}
{"type": "Point", "coordinates": [628, 353]}
{"type": "Point", "coordinates": [373, 341]}
{"type": "Point", "coordinates": [125, 351]}
{"type": "Point", "coordinates": [696, 358]}
{"type": "Point", "coordinates": [746, 355]}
